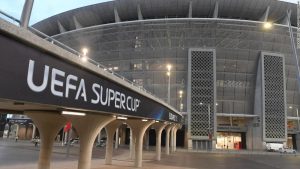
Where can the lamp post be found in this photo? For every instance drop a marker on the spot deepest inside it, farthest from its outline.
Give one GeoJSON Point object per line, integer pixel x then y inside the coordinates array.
{"type": "Point", "coordinates": [180, 103]}
{"type": "Point", "coordinates": [169, 66]}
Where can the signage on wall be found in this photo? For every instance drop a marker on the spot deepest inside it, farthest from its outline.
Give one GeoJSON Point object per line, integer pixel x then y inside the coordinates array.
{"type": "Point", "coordinates": [62, 84]}
{"type": "Point", "coordinates": [31, 75]}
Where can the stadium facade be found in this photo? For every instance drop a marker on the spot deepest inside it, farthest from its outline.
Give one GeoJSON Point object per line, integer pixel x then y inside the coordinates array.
{"type": "Point", "coordinates": [239, 79]}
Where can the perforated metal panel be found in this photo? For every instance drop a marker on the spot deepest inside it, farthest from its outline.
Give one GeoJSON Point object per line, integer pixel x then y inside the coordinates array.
{"type": "Point", "coordinates": [202, 93]}
{"type": "Point", "coordinates": [274, 113]}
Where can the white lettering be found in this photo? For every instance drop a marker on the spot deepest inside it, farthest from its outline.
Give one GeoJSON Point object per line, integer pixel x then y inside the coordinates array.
{"type": "Point", "coordinates": [95, 101]}
{"type": "Point", "coordinates": [111, 95]}
{"type": "Point", "coordinates": [55, 82]}
{"type": "Point", "coordinates": [136, 103]}
{"type": "Point", "coordinates": [81, 89]}
{"type": "Point", "coordinates": [127, 100]}
{"type": "Point", "coordinates": [123, 100]}
{"type": "Point", "coordinates": [172, 117]}
{"type": "Point", "coordinates": [101, 96]}
{"type": "Point", "coordinates": [62, 84]}
{"type": "Point", "coordinates": [70, 86]}
{"type": "Point", "coordinates": [117, 99]}
{"type": "Point", "coordinates": [30, 83]}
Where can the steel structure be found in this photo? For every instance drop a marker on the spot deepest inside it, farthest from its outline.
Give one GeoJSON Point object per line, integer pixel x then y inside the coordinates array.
{"type": "Point", "coordinates": [138, 38]}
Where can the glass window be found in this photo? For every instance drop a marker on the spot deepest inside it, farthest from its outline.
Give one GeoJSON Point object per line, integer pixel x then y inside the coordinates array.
{"type": "Point", "coordinates": [137, 66]}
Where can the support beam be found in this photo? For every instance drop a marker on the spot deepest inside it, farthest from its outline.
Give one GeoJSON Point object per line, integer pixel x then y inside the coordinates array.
{"type": "Point", "coordinates": [190, 14]}
{"type": "Point", "coordinates": [110, 131]}
{"type": "Point", "coordinates": [117, 18]}
{"type": "Point", "coordinates": [138, 128]}
{"type": "Point", "coordinates": [87, 128]}
{"type": "Point", "coordinates": [264, 17]}
{"type": "Point", "coordinates": [168, 129]}
{"type": "Point", "coordinates": [216, 10]}
{"type": "Point", "coordinates": [49, 124]}
{"type": "Point", "coordinates": [159, 126]}
{"type": "Point", "coordinates": [285, 20]}
{"type": "Point", "coordinates": [140, 16]}
{"type": "Point", "coordinates": [76, 23]}
{"type": "Point", "coordinates": [26, 13]}
{"type": "Point", "coordinates": [60, 27]}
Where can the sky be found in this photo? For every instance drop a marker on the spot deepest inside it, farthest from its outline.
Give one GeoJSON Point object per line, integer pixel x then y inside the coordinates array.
{"type": "Point", "coordinates": [43, 9]}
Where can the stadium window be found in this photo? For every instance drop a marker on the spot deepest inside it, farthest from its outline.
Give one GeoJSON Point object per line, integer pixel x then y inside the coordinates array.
{"type": "Point", "coordinates": [137, 66]}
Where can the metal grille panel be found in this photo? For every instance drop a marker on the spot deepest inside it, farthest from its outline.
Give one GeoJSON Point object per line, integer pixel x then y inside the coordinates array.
{"type": "Point", "coordinates": [274, 98]}
{"type": "Point", "coordinates": [202, 91]}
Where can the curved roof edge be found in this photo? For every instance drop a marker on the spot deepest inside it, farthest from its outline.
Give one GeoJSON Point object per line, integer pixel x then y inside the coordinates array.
{"type": "Point", "coordinates": [130, 10]}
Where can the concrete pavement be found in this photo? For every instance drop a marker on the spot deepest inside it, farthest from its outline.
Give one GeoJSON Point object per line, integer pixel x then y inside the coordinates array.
{"type": "Point", "coordinates": [23, 155]}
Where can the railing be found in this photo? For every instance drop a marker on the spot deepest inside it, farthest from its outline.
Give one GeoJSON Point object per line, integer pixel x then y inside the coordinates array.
{"type": "Point", "coordinates": [73, 51]}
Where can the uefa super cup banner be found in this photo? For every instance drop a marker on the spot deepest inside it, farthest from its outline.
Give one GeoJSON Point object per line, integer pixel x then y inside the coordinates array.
{"type": "Point", "coordinates": [35, 76]}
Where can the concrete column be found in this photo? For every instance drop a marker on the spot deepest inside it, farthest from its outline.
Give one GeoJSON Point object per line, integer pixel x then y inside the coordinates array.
{"type": "Point", "coordinates": [175, 139]}
{"type": "Point", "coordinates": [122, 131]}
{"type": "Point", "coordinates": [87, 128]}
{"type": "Point", "coordinates": [9, 130]}
{"type": "Point", "coordinates": [33, 131]}
{"type": "Point", "coordinates": [49, 124]}
{"type": "Point", "coordinates": [175, 136]}
{"type": "Point", "coordinates": [26, 13]}
{"type": "Point", "coordinates": [138, 130]}
{"type": "Point", "coordinates": [131, 146]}
{"type": "Point", "coordinates": [172, 139]}
{"type": "Point", "coordinates": [158, 130]}
{"type": "Point", "coordinates": [168, 129]}
{"type": "Point", "coordinates": [17, 131]}
{"type": "Point", "coordinates": [117, 139]}
{"type": "Point", "coordinates": [146, 139]}
{"type": "Point", "coordinates": [110, 131]}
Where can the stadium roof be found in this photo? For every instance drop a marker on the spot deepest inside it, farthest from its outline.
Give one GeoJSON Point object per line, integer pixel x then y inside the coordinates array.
{"type": "Point", "coordinates": [129, 10]}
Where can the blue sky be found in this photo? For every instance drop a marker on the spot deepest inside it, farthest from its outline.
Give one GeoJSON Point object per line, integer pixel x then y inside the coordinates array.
{"type": "Point", "coordinates": [45, 8]}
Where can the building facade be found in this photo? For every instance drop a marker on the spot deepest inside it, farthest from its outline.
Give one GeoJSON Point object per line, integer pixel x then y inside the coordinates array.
{"type": "Point", "coordinates": [239, 79]}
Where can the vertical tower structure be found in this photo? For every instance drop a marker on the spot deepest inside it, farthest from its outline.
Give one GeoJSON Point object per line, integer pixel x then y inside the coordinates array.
{"type": "Point", "coordinates": [270, 100]}
{"type": "Point", "coordinates": [201, 97]}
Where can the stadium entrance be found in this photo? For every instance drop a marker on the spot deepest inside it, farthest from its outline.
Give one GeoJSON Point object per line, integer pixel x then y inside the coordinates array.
{"type": "Point", "coordinates": [231, 140]}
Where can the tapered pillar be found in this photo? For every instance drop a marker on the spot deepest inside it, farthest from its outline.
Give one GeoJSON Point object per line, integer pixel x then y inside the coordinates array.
{"type": "Point", "coordinates": [132, 146]}
{"type": "Point", "coordinates": [110, 131]}
{"type": "Point", "coordinates": [49, 124]}
{"type": "Point", "coordinates": [172, 139]}
{"type": "Point", "coordinates": [168, 129]}
{"type": "Point", "coordinates": [146, 139]}
{"type": "Point", "coordinates": [87, 128]}
{"type": "Point", "coordinates": [175, 129]}
{"type": "Point", "coordinates": [138, 128]}
{"type": "Point", "coordinates": [158, 126]}
{"type": "Point", "coordinates": [117, 139]}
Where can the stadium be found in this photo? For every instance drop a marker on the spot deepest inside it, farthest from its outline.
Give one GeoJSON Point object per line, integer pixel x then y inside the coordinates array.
{"type": "Point", "coordinates": [232, 70]}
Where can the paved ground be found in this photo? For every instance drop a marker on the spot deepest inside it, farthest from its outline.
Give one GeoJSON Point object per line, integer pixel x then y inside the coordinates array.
{"type": "Point", "coordinates": [23, 155]}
